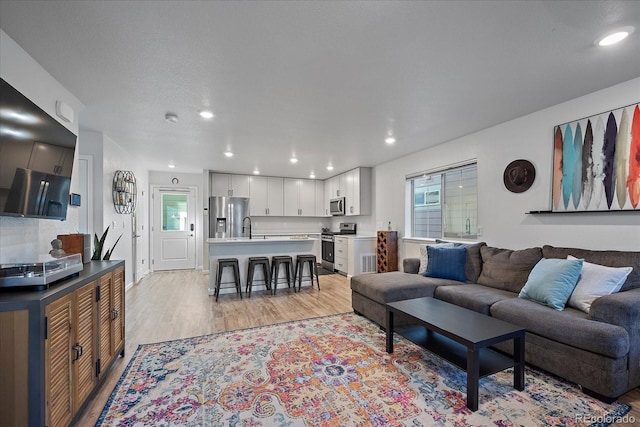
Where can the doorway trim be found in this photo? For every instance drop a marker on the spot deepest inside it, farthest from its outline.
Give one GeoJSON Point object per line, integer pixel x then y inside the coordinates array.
{"type": "Point", "coordinates": [192, 190]}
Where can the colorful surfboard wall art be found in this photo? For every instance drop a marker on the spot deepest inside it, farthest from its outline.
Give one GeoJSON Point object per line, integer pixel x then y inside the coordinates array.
{"type": "Point", "coordinates": [596, 162]}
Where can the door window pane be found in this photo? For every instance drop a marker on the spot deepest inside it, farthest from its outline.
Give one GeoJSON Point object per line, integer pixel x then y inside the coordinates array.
{"type": "Point", "coordinates": [174, 212]}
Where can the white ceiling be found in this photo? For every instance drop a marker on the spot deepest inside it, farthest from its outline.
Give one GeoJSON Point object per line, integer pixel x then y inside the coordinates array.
{"type": "Point", "coordinates": [324, 81]}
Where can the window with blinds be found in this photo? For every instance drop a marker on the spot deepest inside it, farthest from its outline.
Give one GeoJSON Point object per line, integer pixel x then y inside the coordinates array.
{"type": "Point", "coordinates": [445, 203]}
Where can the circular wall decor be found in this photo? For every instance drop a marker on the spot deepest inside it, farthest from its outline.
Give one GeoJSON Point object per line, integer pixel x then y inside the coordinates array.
{"type": "Point", "coordinates": [519, 176]}
{"type": "Point", "coordinates": [175, 181]}
{"type": "Point", "coordinates": [125, 192]}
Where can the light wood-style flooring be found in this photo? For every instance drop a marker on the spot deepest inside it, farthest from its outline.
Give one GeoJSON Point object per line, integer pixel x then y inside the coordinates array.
{"type": "Point", "coordinates": [171, 305]}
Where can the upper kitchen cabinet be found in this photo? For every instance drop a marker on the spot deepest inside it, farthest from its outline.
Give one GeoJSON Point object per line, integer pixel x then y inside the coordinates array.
{"type": "Point", "coordinates": [299, 197]}
{"type": "Point", "coordinates": [322, 208]}
{"type": "Point", "coordinates": [358, 191]}
{"type": "Point", "coordinates": [266, 196]}
{"type": "Point", "coordinates": [223, 184]}
{"type": "Point", "coordinates": [355, 186]}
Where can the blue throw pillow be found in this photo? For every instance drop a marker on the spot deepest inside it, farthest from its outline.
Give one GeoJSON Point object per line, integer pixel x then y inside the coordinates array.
{"type": "Point", "coordinates": [552, 281]}
{"type": "Point", "coordinates": [446, 263]}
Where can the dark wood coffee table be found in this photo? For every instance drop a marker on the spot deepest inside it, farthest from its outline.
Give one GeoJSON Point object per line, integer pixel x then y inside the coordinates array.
{"type": "Point", "coordinates": [461, 337]}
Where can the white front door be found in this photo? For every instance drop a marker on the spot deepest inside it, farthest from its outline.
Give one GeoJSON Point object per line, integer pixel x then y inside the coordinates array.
{"type": "Point", "coordinates": [174, 241]}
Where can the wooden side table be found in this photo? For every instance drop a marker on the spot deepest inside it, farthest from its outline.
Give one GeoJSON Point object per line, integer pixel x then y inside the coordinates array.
{"type": "Point", "coordinates": [387, 258]}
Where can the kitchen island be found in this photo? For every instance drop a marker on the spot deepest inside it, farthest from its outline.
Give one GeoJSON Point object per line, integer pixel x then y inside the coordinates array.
{"type": "Point", "coordinates": [242, 248]}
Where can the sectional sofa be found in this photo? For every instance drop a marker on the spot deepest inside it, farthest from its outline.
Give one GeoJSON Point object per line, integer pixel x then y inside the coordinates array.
{"type": "Point", "coordinates": [598, 349]}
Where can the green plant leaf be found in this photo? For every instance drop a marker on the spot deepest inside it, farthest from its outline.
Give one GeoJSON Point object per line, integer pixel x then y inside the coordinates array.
{"type": "Point", "coordinates": [107, 255]}
{"type": "Point", "coordinates": [99, 244]}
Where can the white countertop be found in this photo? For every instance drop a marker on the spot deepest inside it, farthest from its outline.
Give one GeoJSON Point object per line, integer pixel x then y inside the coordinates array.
{"type": "Point", "coordinates": [246, 240]}
{"type": "Point", "coordinates": [357, 236]}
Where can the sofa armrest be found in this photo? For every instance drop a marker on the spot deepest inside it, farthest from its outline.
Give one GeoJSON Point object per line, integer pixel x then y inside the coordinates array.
{"type": "Point", "coordinates": [411, 265]}
{"type": "Point", "coordinates": [621, 308]}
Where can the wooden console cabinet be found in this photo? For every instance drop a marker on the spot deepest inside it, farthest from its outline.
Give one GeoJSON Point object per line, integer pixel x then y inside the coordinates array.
{"type": "Point", "coordinates": [58, 343]}
{"type": "Point", "coordinates": [387, 251]}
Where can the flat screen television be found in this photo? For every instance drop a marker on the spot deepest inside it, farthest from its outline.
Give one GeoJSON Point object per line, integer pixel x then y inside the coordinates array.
{"type": "Point", "coordinates": [36, 159]}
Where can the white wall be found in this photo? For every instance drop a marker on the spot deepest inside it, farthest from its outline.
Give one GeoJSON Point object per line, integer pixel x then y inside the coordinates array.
{"type": "Point", "coordinates": [502, 214]}
{"type": "Point", "coordinates": [115, 158]}
{"type": "Point", "coordinates": [23, 239]}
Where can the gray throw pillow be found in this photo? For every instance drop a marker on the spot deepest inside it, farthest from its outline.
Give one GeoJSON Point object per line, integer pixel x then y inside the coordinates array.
{"type": "Point", "coordinates": [507, 269]}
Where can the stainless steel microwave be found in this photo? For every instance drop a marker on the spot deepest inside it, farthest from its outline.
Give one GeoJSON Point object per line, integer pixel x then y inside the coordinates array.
{"type": "Point", "coordinates": [337, 206]}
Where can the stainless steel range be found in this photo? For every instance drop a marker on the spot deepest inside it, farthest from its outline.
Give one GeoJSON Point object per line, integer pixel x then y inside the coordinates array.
{"type": "Point", "coordinates": [328, 242]}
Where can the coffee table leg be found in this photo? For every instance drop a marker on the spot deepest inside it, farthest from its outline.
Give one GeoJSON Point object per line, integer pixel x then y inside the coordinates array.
{"type": "Point", "coordinates": [389, 331]}
{"type": "Point", "coordinates": [518, 358]}
{"type": "Point", "coordinates": [473, 378]}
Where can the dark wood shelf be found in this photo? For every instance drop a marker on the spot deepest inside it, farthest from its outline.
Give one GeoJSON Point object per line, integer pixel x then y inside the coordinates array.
{"type": "Point", "coordinates": [491, 361]}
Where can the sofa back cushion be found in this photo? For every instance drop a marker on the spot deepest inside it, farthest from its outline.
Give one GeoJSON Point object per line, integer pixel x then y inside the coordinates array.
{"type": "Point", "coordinates": [608, 258]}
{"type": "Point", "coordinates": [473, 265]}
{"type": "Point", "coordinates": [507, 269]}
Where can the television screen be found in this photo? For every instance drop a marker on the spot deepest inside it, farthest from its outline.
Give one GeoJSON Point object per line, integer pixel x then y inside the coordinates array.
{"type": "Point", "coordinates": [36, 159]}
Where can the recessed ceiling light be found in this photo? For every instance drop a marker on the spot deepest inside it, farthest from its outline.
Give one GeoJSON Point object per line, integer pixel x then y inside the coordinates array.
{"type": "Point", "coordinates": [293, 160]}
{"type": "Point", "coordinates": [390, 140]}
{"type": "Point", "coordinates": [256, 172]}
{"type": "Point", "coordinates": [171, 117]}
{"type": "Point", "coordinates": [329, 168]}
{"type": "Point", "coordinates": [312, 175]}
{"type": "Point", "coordinates": [228, 153]}
{"type": "Point", "coordinates": [206, 114]}
{"type": "Point", "coordinates": [615, 37]}
{"type": "Point", "coordinates": [171, 165]}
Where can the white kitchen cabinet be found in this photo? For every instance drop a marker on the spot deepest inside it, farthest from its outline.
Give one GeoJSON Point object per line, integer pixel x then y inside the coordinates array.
{"type": "Point", "coordinates": [341, 255]}
{"type": "Point", "coordinates": [341, 188]}
{"type": "Point", "coordinates": [266, 194]}
{"type": "Point", "coordinates": [321, 209]}
{"type": "Point", "coordinates": [358, 192]}
{"type": "Point", "coordinates": [332, 187]}
{"type": "Point", "coordinates": [355, 255]}
{"type": "Point", "coordinates": [299, 197]}
{"type": "Point", "coordinates": [229, 185]}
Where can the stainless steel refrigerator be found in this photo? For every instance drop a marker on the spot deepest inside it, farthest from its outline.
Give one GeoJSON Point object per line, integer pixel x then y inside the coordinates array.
{"type": "Point", "coordinates": [226, 215]}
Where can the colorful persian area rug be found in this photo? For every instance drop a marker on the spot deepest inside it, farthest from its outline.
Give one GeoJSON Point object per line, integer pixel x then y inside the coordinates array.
{"type": "Point", "coordinates": [329, 371]}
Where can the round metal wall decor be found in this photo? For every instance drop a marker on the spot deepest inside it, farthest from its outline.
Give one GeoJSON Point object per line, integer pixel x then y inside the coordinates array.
{"type": "Point", "coordinates": [125, 192]}
{"type": "Point", "coordinates": [519, 176]}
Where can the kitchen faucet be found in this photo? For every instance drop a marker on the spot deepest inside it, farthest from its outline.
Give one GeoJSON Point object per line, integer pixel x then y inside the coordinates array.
{"type": "Point", "coordinates": [243, 227]}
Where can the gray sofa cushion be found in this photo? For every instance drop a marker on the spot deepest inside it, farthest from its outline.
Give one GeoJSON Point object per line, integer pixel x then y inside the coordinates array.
{"type": "Point", "coordinates": [473, 265]}
{"type": "Point", "coordinates": [474, 297]}
{"type": "Point", "coordinates": [608, 258]}
{"type": "Point", "coordinates": [411, 265]}
{"type": "Point", "coordinates": [507, 269]}
{"type": "Point", "coordinates": [569, 326]}
{"type": "Point", "coordinates": [396, 286]}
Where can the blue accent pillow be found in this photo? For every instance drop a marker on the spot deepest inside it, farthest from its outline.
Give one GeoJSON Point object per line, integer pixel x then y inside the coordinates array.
{"type": "Point", "coordinates": [446, 263]}
{"type": "Point", "coordinates": [552, 281]}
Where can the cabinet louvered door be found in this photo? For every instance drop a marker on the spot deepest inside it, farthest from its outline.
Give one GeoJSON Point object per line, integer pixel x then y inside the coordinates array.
{"type": "Point", "coordinates": [84, 366]}
{"type": "Point", "coordinates": [104, 322]}
{"type": "Point", "coordinates": [58, 372]}
{"type": "Point", "coordinates": [117, 310]}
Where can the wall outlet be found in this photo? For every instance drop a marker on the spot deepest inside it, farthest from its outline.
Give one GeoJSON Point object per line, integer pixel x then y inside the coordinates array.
{"type": "Point", "coordinates": [479, 232]}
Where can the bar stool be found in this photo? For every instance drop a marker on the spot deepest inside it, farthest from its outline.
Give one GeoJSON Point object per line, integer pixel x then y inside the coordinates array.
{"type": "Point", "coordinates": [253, 263]}
{"type": "Point", "coordinates": [276, 262]}
{"type": "Point", "coordinates": [313, 269]}
{"type": "Point", "coordinates": [228, 262]}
